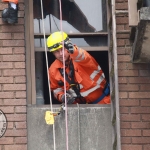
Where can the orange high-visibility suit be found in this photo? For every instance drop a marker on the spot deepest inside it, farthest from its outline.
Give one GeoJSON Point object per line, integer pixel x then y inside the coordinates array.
{"type": "Point", "coordinates": [88, 74]}
{"type": "Point", "coordinates": [13, 1]}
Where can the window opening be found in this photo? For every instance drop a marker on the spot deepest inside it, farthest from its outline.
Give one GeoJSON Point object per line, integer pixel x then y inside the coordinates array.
{"type": "Point", "coordinates": [86, 26]}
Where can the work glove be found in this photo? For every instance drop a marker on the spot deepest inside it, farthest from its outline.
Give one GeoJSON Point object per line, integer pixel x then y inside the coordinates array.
{"type": "Point", "coordinates": [69, 98]}
{"type": "Point", "coordinates": [69, 46]}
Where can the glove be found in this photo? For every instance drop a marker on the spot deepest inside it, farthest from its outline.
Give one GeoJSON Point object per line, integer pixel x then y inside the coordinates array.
{"type": "Point", "coordinates": [69, 46]}
{"type": "Point", "coordinates": [69, 98]}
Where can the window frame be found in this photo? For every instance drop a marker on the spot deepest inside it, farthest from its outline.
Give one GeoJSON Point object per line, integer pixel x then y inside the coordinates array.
{"type": "Point", "coordinates": [30, 49]}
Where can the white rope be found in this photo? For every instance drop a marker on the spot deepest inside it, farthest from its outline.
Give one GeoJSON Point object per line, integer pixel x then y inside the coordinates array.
{"type": "Point", "coordinates": [51, 107]}
{"type": "Point", "coordinates": [78, 126]}
{"type": "Point", "coordinates": [66, 111]}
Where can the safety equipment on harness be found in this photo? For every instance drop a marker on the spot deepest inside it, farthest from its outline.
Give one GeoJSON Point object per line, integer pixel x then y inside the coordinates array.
{"type": "Point", "coordinates": [106, 92]}
{"type": "Point", "coordinates": [69, 98]}
{"type": "Point", "coordinates": [54, 41]}
{"type": "Point", "coordinates": [73, 85]}
{"type": "Point", "coordinates": [10, 15]}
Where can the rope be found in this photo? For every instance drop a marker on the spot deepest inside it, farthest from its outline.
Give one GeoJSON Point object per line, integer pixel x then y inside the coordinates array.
{"type": "Point", "coordinates": [78, 126]}
{"type": "Point", "coordinates": [47, 72]}
{"type": "Point", "coordinates": [66, 112]}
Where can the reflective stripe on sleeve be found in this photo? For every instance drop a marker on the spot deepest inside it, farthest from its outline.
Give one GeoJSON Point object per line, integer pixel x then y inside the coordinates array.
{"type": "Point", "coordinates": [95, 72]}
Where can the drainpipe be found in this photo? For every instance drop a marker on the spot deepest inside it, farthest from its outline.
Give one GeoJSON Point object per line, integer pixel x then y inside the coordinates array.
{"type": "Point", "coordinates": [116, 75]}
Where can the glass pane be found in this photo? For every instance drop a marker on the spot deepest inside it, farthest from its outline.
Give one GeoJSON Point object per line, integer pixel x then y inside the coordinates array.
{"type": "Point", "coordinates": [78, 16]}
{"type": "Point", "coordinates": [81, 42]}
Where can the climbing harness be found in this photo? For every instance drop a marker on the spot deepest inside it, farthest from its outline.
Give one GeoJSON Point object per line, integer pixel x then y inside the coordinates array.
{"type": "Point", "coordinates": [70, 78]}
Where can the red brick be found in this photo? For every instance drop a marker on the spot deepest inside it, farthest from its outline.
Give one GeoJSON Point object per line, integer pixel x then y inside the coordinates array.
{"type": "Point", "coordinates": [125, 140]}
{"type": "Point", "coordinates": [124, 58]}
{"type": "Point", "coordinates": [10, 125]}
{"type": "Point", "coordinates": [21, 140]}
{"type": "Point", "coordinates": [131, 132]}
{"type": "Point", "coordinates": [147, 147]}
{"type": "Point", "coordinates": [140, 125]}
{"type": "Point", "coordinates": [20, 109]}
{"type": "Point", "coordinates": [145, 102]}
{"type": "Point", "coordinates": [122, 66]}
{"type": "Point", "coordinates": [121, 20]}
{"type": "Point", "coordinates": [139, 80]}
{"type": "Point", "coordinates": [120, 27]}
{"type": "Point", "coordinates": [122, 80]}
{"type": "Point", "coordinates": [144, 73]}
{"type": "Point", "coordinates": [9, 109]}
{"type": "Point", "coordinates": [21, 94]}
{"type": "Point", "coordinates": [123, 95]}
{"type": "Point", "coordinates": [139, 94]}
{"type": "Point", "coordinates": [5, 35]}
{"type": "Point", "coordinates": [146, 132]}
{"type": "Point", "coordinates": [124, 110]}
{"type": "Point", "coordinates": [12, 29]}
{"type": "Point", "coordinates": [16, 117]}
{"type": "Point", "coordinates": [125, 125]}
{"type": "Point", "coordinates": [136, 66]}
{"type": "Point", "coordinates": [17, 102]}
{"type": "Point", "coordinates": [20, 125]}
{"type": "Point", "coordinates": [6, 65]}
{"type": "Point", "coordinates": [128, 87]}
{"type": "Point", "coordinates": [7, 50]}
{"type": "Point", "coordinates": [145, 87]}
{"type": "Point", "coordinates": [131, 147]}
{"type": "Point", "coordinates": [6, 79]}
{"type": "Point", "coordinates": [129, 103]}
{"type": "Point", "coordinates": [14, 133]}
{"type": "Point", "coordinates": [6, 94]}
{"type": "Point", "coordinates": [128, 73]}
{"type": "Point", "coordinates": [13, 42]}
{"type": "Point", "coordinates": [14, 87]}
{"type": "Point", "coordinates": [140, 110]}
{"type": "Point", "coordinates": [6, 140]}
{"type": "Point", "coordinates": [13, 58]}
{"type": "Point", "coordinates": [120, 42]}
{"type": "Point", "coordinates": [120, 50]}
{"type": "Point", "coordinates": [18, 35]}
{"type": "Point", "coordinates": [146, 117]}
{"type": "Point", "coordinates": [122, 6]}
{"type": "Point", "coordinates": [1, 101]}
{"type": "Point", "coordinates": [20, 79]}
{"type": "Point", "coordinates": [129, 117]}
{"type": "Point", "coordinates": [19, 50]}
{"type": "Point", "coordinates": [123, 36]}
{"type": "Point", "coordinates": [15, 147]}
{"type": "Point", "coordinates": [21, 14]}
{"type": "Point", "coordinates": [14, 72]}
{"type": "Point", "coordinates": [19, 64]}
{"type": "Point", "coordinates": [140, 140]}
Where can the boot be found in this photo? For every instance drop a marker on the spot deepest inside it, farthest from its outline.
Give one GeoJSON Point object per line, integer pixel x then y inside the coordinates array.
{"type": "Point", "coordinates": [10, 15]}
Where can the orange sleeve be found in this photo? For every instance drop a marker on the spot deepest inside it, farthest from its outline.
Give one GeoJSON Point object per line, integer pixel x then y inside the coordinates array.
{"type": "Point", "coordinates": [13, 1]}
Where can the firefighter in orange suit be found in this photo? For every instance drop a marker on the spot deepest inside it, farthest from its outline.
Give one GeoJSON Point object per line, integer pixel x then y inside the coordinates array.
{"type": "Point", "coordinates": [85, 80]}
{"type": "Point", "coordinates": [10, 14]}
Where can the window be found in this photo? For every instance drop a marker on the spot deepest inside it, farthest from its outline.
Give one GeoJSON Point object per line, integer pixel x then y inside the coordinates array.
{"type": "Point", "coordinates": [86, 24]}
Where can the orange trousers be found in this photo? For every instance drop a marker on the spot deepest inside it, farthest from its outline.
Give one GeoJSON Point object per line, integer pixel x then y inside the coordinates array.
{"type": "Point", "coordinates": [13, 1]}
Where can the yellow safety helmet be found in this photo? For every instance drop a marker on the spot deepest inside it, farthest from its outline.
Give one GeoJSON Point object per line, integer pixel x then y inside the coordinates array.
{"type": "Point", "coordinates": [55, 39]}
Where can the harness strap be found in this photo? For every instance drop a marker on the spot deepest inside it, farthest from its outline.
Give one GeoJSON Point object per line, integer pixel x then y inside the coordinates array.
{"type": "Point", "coordinates": [106, 92]}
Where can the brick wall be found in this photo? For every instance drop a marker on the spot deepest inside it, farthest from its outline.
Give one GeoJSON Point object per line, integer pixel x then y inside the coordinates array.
{"type": "Point", "coordinates": [13, 81]}
{"type": "Point", "coordinates": [134, 90]}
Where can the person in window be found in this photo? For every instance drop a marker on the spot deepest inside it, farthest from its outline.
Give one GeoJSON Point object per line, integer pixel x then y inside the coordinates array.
{"type": "Point", "coordinates": [85, 80]}
{"type": "Point", "coordinates": [10, 14]}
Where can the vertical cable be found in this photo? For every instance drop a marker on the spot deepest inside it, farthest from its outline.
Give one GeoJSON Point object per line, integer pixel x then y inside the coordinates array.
{"type": "Point", "coordinates": [48, 73]}
{"type": "Point", "coordinates": [66, 112]}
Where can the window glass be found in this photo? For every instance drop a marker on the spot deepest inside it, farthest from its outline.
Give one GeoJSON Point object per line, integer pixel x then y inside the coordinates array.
{"type": "Point", "coordinates": [77, 15]}
{"type": "Point", "coordinates": [82, 42]}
